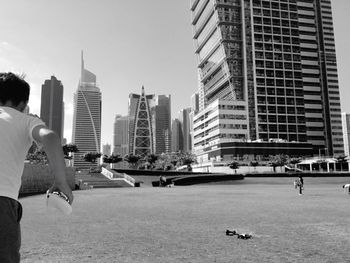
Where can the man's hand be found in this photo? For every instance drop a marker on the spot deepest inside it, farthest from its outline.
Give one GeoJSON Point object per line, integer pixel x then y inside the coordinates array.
{"type": "Point", "coordinates": [64, 188]}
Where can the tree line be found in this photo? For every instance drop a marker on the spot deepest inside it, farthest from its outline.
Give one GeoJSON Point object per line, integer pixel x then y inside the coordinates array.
{"type": "Point", "coordinates": [162, 161]}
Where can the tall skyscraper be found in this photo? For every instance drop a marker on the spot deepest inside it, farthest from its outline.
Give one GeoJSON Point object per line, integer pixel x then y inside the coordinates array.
{"type": "Point", "coordinates": [120, 136]}
{"type": "Point", "coordinates": [346, 132]}
{"type": "Point", "coordinates": [185, 132]}
{"type": "Point", "coordinates": [162, 124]}
{"type": "Point", "coordinates": [87, 117]}
{"type": "Point", "coordinates": [140, 124]}
{"type": "Point", "coordinates": [277, 59]}
{"type": "Point", "coordinates": [176, 136]}
{"type": "Point", "coordinates": [52, 107]}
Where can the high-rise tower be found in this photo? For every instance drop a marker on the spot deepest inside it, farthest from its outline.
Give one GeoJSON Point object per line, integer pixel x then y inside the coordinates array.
{"type": "Point", "coordinates": [185, 132]}
{"type": "Point", "coordinates": [120, 135]}
{"type": "Point", "coordinates": [176, 136]}
{"type": "Point", "coordinates": [277, 59]}
{"type": "Point", "coordinates": [52, 107]}
{"type": "Point", "coordinates": [87, 117]}
{"type": "Point", "coordinates": [162, 124]}
{"type": "Point", "coordinates": [140, 124]}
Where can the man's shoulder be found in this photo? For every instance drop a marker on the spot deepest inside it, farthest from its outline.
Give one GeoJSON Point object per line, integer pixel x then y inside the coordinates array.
{"type": "Point", "coordinates": [32, 115]}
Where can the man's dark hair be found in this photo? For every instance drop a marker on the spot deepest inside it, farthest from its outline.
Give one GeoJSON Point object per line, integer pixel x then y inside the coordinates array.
{"type": "Point", "coordinates": [13, 88]}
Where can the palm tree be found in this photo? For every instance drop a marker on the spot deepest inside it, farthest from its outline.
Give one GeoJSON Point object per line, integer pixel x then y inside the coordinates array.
{"type": "Point", "coordinates": [151, 159]}
{"type": "Point", "coordinates": [278, 160]}
{"type": "Point", "coordinates": [114, 158]}
{"type": "Point", "coordinates": [234, 166]}
{"type": "Point", "coordinates": [91, 157]}
{"type": "Point", "coordinates": [295, 160]}
{"type": "Point", "coordinates": [132, 160]}
{"type": "Point", "coordinates": [68, 149]}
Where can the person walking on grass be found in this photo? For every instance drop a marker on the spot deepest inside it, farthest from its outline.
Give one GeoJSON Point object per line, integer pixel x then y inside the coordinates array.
{"type": "Point", "coordinates": [346, 189]}
{"type": "Point", "coordinates": [17, 133]}
{"type": "Point", "coordinates": [301, 184]}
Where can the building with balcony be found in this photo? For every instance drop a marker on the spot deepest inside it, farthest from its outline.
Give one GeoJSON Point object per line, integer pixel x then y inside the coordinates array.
{"type": "Point", "coordinates": [277, 59]}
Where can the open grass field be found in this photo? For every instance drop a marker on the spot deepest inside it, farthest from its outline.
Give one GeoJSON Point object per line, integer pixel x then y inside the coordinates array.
{"type": "Point", "coordinates": [188, 224]}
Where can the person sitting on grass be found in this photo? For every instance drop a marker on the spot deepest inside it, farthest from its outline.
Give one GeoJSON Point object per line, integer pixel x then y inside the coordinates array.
{"type": "Point", "coordinates": [162, 181]}
{"type": "Point", "coordinates": [17, 133]}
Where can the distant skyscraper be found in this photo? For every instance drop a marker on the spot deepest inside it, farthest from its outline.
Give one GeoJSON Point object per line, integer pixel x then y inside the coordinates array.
{"type": "Point", "coordinates": [277, 59]}
{"type": "Point", "coordinates": [176, 136]}
{"type": "Point", "coordinates": [162, 124]}
{"type": "Point", "coordinates": [346, 132]}
{"type": "Point", "coordinates": [87, 117]}
{"type": "Point", "coordinates": [120, 136]}
{"type": "Point", "coordinates": [140, 124]}
{"type": "Point", "coordinates": [106, 149]}
{"type": "Point", "coordinates": [184, 119]}
{"type": "Point", "coordinates": [52, 107]}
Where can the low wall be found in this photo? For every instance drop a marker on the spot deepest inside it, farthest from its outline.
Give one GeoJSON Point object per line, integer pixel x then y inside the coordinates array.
{"type": "Point", "coordinates": [37, 179]}
{"type": "Point", "coordinates": [239, 170]}
{"type": "Point", "coordinates": [303, 174]}
{"type": "Point", "coordinates": [156, 172]}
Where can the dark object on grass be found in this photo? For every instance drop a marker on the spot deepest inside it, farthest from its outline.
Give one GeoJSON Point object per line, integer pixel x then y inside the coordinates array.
{"type": "Point", "coordinates": [230, 233]}
{"type": "Point", "coordinates": [244, 236]}
{"type": "Point", "coordinates": [234, 232]}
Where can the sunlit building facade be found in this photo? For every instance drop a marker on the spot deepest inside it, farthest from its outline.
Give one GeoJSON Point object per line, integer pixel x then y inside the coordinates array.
{"type": "Point", "coordinates": [277, 59]}
{"type": "Point", "coordinates": [87, 117]}
{"type": "Point", "coordinates": [346, 132]}
{"type": "Point", "coordinates": [121, 135]}
{"type": "Point", "coordinates": [162, 124]}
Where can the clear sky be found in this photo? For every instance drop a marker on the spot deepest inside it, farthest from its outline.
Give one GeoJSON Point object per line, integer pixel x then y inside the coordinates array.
{"type": "Point", "coordinates": [127, 44]}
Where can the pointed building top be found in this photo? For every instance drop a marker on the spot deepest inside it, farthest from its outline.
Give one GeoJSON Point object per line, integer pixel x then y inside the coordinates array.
{"type": "Point", "coordinates": [143, 91]}
{"type": "Point", "coordinates": [82, 63]}
{"type": "Point", "coordinates": [86, 76]}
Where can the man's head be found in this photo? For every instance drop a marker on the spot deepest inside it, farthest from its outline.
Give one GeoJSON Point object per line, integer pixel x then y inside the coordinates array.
{"type": "Point", "coordinates": [14, 91]}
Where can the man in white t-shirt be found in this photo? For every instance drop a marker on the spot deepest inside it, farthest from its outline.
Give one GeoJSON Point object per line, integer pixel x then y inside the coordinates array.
{"type": "Point", "coordinates": [17, 133]}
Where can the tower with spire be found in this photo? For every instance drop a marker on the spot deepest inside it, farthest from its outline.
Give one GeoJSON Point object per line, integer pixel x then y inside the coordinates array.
{"type": "Point", "coordinates": [140, 123]}
{"type": "Point", "coordinates": [87, 117]}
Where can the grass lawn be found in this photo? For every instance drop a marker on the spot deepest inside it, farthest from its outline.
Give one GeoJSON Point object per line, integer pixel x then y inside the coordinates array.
{"type": "Point", "coordinates": [188, 224]}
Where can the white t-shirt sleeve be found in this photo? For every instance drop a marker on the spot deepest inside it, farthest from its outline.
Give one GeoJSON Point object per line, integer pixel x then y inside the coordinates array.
{"type": "Point", "coordinates": [33, 121]}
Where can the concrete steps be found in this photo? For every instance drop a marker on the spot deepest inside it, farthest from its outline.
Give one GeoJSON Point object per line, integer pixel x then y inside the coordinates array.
{"type": "Point", "coordinates": [88, 181]}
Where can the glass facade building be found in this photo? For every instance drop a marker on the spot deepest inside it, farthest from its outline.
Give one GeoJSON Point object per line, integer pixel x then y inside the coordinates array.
{"type": "Point", "coordinates": [52, 106]}
{"type": "Point", "coordinates": [277, 58]}
{"type": "Point", "coordinates": [162, 124]}
{"type": "Point", "coordinates": [86, 118]}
